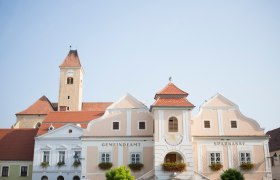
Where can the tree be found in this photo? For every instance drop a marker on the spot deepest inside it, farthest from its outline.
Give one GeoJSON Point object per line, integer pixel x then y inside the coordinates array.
{"type": "Point", "coordinates": [119, 173]}
{"type": "Point", "coordinates": [232, 174]}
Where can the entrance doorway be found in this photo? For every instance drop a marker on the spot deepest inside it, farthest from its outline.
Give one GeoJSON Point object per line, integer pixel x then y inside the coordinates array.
{"type": "Point", "coordinates": [173, 157]}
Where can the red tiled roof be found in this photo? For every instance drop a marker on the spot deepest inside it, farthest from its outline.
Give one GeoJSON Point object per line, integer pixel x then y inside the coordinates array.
{"type": "Point", "coordinates": [41, 106]}
{"type": "Point", "coordinates": [60, 118]}
{"type": "Point", "coordinates": [171, 89]}
{"type": "Point", "coordinates": [17, 144]}
{"type": "Point", "coordinates": [171, 96]}
{"type": "Point", "coordinates": [95, 106]}
{"type": "Point", "coordinates": [71, 60]}
{"type": "Point", "coordinates": [182, 102]}
{"type": "Point", "coordinates": [274, 141]}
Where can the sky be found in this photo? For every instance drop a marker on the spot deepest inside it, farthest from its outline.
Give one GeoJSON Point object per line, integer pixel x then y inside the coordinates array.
{"type": "Point", "coordinates": [230, 47]}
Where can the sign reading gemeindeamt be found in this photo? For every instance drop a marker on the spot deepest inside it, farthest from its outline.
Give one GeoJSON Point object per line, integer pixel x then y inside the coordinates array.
{"type": "Point", "coordinates": [121, 144]}
{"type": "Point", "coordinates": [229, 143]}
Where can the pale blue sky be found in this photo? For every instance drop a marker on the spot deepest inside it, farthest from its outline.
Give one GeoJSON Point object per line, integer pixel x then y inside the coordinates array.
{"type": "Point", "coordinates": [231, 47]}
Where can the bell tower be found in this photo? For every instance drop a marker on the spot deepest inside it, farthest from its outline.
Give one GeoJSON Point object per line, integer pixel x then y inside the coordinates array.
{"type": "Point", "coordinates": [71, 83]}
{"type": "Point", "coordinates": [172, 136]}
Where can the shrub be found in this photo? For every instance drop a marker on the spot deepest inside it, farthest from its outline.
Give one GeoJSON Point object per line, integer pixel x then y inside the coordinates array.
{"type": "Point", "coordinates": [246, 166]}
{"type": "Point", "coordinates": [44, 164]}
{"type": "Point", "coordinates": [136, 166]}
{"type": "Point", "coordinates": [232, 174]}
{"type": "Point", "coordinates": [59, 164]}
{"type": "Point", "coordinates": [216, 166]}
{"type": "Point", "coordinates": [174, 167]}
{"type": "Point", "coordinates": [105, 165]}
{"type": "Point", "coordinates": [119, 173]}
{"type": "Point", "coordinates": [76, 164]}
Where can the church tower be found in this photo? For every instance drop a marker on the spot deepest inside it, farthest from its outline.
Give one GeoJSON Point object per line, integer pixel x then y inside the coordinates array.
{"type": "Point", "coordinates": [172, 132]}
{"type": "Point", "coordinates": [71, 83]}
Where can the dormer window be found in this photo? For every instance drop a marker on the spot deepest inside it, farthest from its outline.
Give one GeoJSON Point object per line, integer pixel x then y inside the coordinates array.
{"type": "Point", "coordinates": [51, 128]}
{"type": "Point", "coordinates": [173, 124]}
{"type": "Point", "coordinates": [38, 125]}
{"type": "Point", "coordinates": [70, 80]}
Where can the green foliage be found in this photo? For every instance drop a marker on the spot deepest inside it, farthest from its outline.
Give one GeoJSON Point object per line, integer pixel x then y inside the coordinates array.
{"type": "Point", "coordinates": [232, 174]}
{"type": "Point", "coordinates": [76, 163]}
{"type": "Point", "coordinates": [216, 166]}
{"type": "Point", "coordinates": [59, 164]}
{"type": "Point", "coordinates": [174, 167]}
{"type": "Point", "coordinates": [246, 166]}
{"type": "Point", "coordinates": [105, 166]}
{"type": "Point", "coordinates": [136, 166]}
{"type": "Point", "coordinates": [119, 173]}
{"type": "Point", "coordinates": [44, 164]}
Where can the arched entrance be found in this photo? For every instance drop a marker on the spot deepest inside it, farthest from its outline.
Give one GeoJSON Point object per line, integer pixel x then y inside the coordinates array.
{"type": "Point", "coordinates": [44, 178]}
{"type": "Point", "coordinates": [173, 157]}
{"type": "Point", "coordinates": [60, 178]}
{"type": "Point", "coordinates": [76, 178]}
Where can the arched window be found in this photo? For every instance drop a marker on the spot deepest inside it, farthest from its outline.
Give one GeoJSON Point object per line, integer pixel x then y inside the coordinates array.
{"type": "Point", "coordinates": [38, 125]}
{"type": "Point", "coordinates": [70, 80]}
{"type": "Point", "coordinates": [60, 178]}
{"type": "Point", "coordinates": [76, 178]}
{"type": "Point", "coordinates": [173, 124]}
{"type": "Point", "coordinates": [44, 178]}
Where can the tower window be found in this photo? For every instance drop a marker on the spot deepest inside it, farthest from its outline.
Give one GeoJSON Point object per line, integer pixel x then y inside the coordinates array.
{"type": "Point", "coordinates": [68, 108]}
{"type": "Point", "coordinates": [173, 124]}
{"type": "Point", "coordinates": [70, 80]}
{"type": "Point", "coordinates": [68, 97]}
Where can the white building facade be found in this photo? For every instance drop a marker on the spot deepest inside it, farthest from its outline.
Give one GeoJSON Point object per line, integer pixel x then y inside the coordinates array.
{"type": "Point", "coordinates": [57, 154]}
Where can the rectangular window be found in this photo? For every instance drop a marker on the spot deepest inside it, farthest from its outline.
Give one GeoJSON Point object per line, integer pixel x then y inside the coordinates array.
{"type": "Point", "coordinates": [46, 156]}
{"type": "Point", "coordinates": [215, 157]}
{"type": "Point", "coordinates": [105, 157]}
{"type": "Point", "coordinates": [5, 171]}
{"type": "Point", "coordinates": [116, 125]}
{"type": "Point", "coordinates": [62, 108]}
{"type": "Point", "coordinates": [23, 170]}
{"type": "Point", "coordinates": [77, 154]}
{"type": "Point", "coordinates": [61, 156]}
{"type": "Point", "coordinates": [245, 157]}
{"type": "Point", "coordinates": [135, 158]}
{"type": "Point", "coordinates": [233, 124]}
{"type": "Point", "coordinates": [142, 125]}
{"type": "Point", "coordinates": [207, 124]}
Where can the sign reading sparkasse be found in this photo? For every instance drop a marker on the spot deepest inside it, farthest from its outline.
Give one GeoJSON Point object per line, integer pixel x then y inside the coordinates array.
{"type": "Point", "coordinates": [122, 144]}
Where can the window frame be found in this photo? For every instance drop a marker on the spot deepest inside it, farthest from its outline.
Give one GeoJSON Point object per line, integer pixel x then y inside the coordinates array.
{"type": "Point", "coordinates": [119, 126]}
{"type": "Point", "coordinates": [70, 80]}
{"type": "Point", "coordinates": [173, 127]}
{"type": "Point", "coordinates": [246, 161]}
{"type": "Point", "coordinates": [236, 126]}
{"type": "Point", "coordinates": [215, 157]}
{"type": "Point", "coordinates": [139, 125]}
{"type": "Point", "coordinates": [61, 155]}
{"type": "Point", "coordinates": [43, 159]}
{"type": "Point", "coordinates": [204, 121]}
{"type": "Point", "coordinates": [139, 158]}
{"type": "Point", "coordinates": [20, 172]}
{"type": "Point", "coordinates": [8, 174]}
{"type": "Point", "coordinates": [106, 153]}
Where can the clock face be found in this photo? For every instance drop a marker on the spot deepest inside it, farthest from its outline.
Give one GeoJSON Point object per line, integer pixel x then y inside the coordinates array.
{"type": "Point", "coordinates": [70, 73]}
